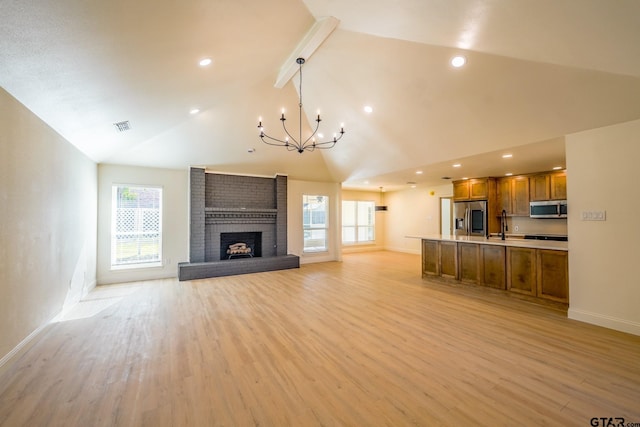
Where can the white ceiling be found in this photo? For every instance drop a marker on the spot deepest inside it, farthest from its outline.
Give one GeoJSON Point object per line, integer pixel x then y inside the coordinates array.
{"type": "Point", "coordinates": [537, 70]}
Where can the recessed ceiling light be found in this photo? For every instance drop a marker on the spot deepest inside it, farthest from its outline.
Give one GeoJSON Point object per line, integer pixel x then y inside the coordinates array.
{"type": "Point", "coordinates": [368, 109]}
{"type": "Point", "coordinates": [557, 168]}
{"type": "Point", "coordinates": [464, 177]}
{"type": "Point", "coordinates": [205, 61]}
{"type": "Point", "coordinates": [413, 186]}
{"type": "Point", "coordinates": [457, 165]}
{"type": "Point", "coordinates": [458, 61]}
{"type": "Point", "coordinates": [507, 156]}
{"type": "Point", "coordinates": [418, 172]}
{"type": "Point", "coordinates": [508, 174]}
{"type": "Point", "coordinates": [194, 111]}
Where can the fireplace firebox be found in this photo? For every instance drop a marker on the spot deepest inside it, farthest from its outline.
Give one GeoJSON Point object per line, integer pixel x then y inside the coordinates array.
{"type": "Point", "coordinates": [240, 245]}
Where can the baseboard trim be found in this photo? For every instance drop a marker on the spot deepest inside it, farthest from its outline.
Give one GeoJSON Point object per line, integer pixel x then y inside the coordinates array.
{"type": "Point", "coordinates": [605, 321]}
{"type": "Point", "coordinates": [23, 345]}
{"type": "Point", "coordinates": [403, 250]}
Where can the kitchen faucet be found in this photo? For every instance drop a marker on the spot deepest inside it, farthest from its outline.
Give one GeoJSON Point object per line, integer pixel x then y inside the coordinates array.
{"type": "Point", "coordinates": [503, 224]}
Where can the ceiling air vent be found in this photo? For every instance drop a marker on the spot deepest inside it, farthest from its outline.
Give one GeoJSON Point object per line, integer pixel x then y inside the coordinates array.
{"type": "Point", "coordinates": [123, 126]}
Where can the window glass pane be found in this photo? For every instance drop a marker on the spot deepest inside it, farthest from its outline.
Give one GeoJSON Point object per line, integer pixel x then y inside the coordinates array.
{"type": "Point", "coordinates": [348, 234]}
{"type": "Point", "coordinates": [136, 230]}
{"type": "Point", "coordinates": [315, 211]}
{"type": "Point", "coordinates": [358, 222]}
{"type": "Point", "coordinates": [349, 213]}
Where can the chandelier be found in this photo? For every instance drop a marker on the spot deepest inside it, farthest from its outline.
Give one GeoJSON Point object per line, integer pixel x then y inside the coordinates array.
{"type": "Point", "coordinates": [300, 145]}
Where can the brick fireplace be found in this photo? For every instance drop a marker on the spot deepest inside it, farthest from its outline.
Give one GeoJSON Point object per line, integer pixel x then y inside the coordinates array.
{"type": "Point", "coordinates": [253, 208]}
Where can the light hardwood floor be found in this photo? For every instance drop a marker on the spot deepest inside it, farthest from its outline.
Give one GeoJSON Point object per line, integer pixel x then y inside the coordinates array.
{"type": "Point", "coordinates": [365, 342]}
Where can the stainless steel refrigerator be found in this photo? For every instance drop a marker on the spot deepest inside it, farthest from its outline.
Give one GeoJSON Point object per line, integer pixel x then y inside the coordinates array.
{"type": "Point", "coordinates": [470, 218]}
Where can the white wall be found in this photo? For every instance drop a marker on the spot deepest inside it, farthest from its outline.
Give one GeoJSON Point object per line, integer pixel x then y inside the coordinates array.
{"type": "Point", "coordinates": [413, 212]}
{"type": "Point", "coordinates": [295, 236]}
{"type": "Point", "coordinates": [175, 220]}
{"type": "Point", "coordinates": [604, 285]}
{"type": "Point", "coordinates": [48, 225]}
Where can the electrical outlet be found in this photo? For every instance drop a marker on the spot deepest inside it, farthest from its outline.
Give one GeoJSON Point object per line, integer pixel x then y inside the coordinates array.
{"type": "Point", "coordinates": [516, 228]}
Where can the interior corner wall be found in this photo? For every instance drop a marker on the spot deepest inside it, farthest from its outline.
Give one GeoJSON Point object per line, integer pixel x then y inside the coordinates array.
{"type": "Point", "coordinates": [295, 235]}
{"type": "Point", "coordinates": [175, 220]}
{"type": "Point", "coordinates": [413, 212]}
{"type": "Point", "coordinates": [48, 198]}
{"type": "Point", "coordinates": [604, 288]}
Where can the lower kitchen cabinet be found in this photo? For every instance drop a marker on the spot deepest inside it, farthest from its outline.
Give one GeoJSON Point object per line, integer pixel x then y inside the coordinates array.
{"type": "Point", "coordinates": [469, 262]}
{"type": "Point", "coordinates": [430, 263]}
{"type": "Point", "coordinates": [449, 260]}
{"type": "Point", "coordinates": [553, 275]}
{"type": "Point", "coordinates": [521, 270]}
{"type": "Point", "coordinates": [542, 273]}
{"type": "Point", "coordinates": [492, 266]}
{"type": "Point", "coordinates": [439, 258]}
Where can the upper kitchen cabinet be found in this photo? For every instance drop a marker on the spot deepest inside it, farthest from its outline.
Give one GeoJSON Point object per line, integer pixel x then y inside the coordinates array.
{"type": "Point", "coordinates": [513, 195]}
{"type": "Point", "coordinates": [473, 189]}
{"type": "Point", "coordinates": [548, 186]}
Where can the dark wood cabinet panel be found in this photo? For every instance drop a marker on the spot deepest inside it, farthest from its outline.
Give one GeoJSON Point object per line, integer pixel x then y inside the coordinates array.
{"type": "Point", "coordinates": [469, 262]}
{"type": "Point", "coordinates": [430, 262]}
{"type": "Point", "coordinates": [504, 195]}
{"type": "Point", "coordinates": [473, 189]}
{"type": "Point", "coordinates": [493, 266]}
{"type": "Point", "coordinates": [520, 196]}
{"type": "Point", "coordinates": [461, 190]}
{"type": "Point", "coordinates": [449, 259]}
{"type": "Point", "coordinates": [539, 187]}
{"type": "Point", "coordinates": [521, 270]}
{"type": "Point", "coordinates": [558, 186]}
{"type": "Point", "coordinates": [553, 275]}
{"type": "Point", "coordinates": [548, 186]}
{"type": "Point", "coordinates": [513, 195]}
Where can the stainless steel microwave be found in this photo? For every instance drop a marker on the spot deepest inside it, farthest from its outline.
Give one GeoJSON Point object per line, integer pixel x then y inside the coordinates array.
{"type": "Point", "coordinates": [548, 209]}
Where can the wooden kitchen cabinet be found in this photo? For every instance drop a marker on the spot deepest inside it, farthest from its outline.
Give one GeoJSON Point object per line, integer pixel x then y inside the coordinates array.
{"type": "Point", "coordinates": [521, 270]}
{"type": "Point", "coordinates": [541, 273]}
{"type": "Point", "coordinates": [553, 275]}
{"type": "Point", "coordinates": [513, 195]}
{"type": "Point", "coordinates": [469, 262]}
{"type": "Point", "coordinates": [558, 186]}
{"type": "Point", "coordinates": [448, 259]}
{"type": "Point", "coordinates": [472, 189]}
{"type": "Point", "coordinates": [492, 271]}
{"type": "Point", "coordinates": [439, 259]}
{"type": "Point", "coordinates": [548, 186]}
{"type": "Point", "coordinates": [430, 263]}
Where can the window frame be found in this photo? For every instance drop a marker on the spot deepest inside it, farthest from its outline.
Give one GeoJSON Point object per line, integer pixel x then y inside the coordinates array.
{"type": "Point", "coordinates": [157, 260]}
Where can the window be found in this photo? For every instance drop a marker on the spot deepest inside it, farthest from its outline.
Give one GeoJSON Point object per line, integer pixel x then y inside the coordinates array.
{"type": "Point", "coordinates": [136, 226]}
{"type": "Point", "coordinates": [358, 222]}
{"type": "Point", "coordinates": [315, 213]}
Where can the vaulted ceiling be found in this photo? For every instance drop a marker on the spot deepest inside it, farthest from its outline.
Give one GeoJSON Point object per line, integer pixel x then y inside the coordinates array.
{"type": "Point", "coordinates": [536, 71]}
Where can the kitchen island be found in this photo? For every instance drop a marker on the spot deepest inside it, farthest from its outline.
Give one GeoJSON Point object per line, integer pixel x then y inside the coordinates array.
{"type": "Point", "coordinates": [537, 268]}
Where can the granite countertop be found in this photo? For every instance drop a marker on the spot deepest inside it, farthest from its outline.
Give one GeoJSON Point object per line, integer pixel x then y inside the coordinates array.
{"type": "Point", "coordinates": [515, 242]}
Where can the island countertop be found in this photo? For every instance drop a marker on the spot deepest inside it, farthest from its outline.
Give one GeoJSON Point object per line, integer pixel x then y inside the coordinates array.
{"type": "Point", "coordinates": [515, 242]}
